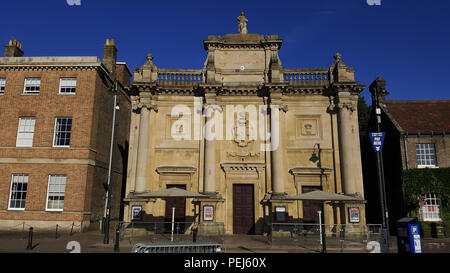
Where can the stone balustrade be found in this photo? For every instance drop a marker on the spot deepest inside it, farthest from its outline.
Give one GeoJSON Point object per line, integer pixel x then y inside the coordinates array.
{"type": "Point", "coordinates": [180, 77]}
{"type": "Point", "coordinates": [306, 76]}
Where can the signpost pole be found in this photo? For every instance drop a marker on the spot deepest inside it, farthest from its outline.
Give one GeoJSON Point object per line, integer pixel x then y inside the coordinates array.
{"type": "Point", "coordinates": [377, 139]}
{"type": "Point", "coordinates": [173, 222]}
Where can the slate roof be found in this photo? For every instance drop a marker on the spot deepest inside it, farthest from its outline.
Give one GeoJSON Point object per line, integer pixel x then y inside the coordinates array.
{"type": "Point", "coordinates": [420, 116]}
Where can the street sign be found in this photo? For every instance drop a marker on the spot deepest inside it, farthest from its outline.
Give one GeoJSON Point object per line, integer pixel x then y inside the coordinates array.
{"type": "Point", "coordinates": [377, 140]}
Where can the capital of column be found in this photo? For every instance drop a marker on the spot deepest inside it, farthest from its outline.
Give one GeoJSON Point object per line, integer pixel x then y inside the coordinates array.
{"type": "Point", "coordinates": [349, 105]}
{"type": "Point", "coordinates": [212, 107]}
{"type": "Point", "coordinates": [280, 106]}
{"type": "Point", "coordinates": [138, 105]}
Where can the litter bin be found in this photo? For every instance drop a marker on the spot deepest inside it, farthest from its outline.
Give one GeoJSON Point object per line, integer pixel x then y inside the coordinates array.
{"type": "Point", "coordinates": [408, 235]}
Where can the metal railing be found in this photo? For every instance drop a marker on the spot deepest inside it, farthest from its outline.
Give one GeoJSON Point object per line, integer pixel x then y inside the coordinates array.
{"type": "Point", "coordinates": [178, 248]}
{"type": "Point", "coordinates": [346, 237]}
{"type": "Point", "coordinates": [154, 232]}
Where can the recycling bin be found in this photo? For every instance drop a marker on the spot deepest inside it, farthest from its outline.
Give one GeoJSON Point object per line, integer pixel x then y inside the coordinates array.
{"type": "Point", "coordinates": [408, 235]}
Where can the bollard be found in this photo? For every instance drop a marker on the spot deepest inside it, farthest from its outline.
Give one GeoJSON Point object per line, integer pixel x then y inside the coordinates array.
{"type": "Point", "coordinates": [30, 238]}
{"type": "Point", "coordinates": [194, 235]}
{"type": "Point", "coordinates": [116, 245]}
{"type": "Point", "coordinates": [56, 233]}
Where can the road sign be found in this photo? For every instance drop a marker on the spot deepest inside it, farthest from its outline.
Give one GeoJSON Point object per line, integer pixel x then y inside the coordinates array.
{"type": "Point", "coordinates": [377, 140]}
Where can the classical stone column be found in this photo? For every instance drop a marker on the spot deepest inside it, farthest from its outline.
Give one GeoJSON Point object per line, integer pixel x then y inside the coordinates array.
{"type": "Point", "coordinates": [346, 144]}
{"type": "Point", "coordinates": [142, 155]}
{"type": "Point", "coordinates": [276, 151]}
{"type": "Point", "coordinates": [209, 185]}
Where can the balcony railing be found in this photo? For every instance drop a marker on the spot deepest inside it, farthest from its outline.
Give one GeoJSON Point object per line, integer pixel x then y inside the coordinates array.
{"type": "Point", "coordinates": [306, 76]}
{"type": "Point", "coordinates": [192, 77]}
{"type": "Point", "coordinates": [180, 77]}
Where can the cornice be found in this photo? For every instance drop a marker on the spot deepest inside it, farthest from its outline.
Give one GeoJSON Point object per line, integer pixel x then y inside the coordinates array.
{"type": "Point", "coordinates": [50, 67]}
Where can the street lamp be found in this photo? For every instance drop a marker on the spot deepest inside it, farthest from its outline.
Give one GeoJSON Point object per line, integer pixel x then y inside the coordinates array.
{"type": "Point", "coordinates": [107, 212]}
{"type": "Point", "coordinates": [322, 231]}
{"type": "Point", "coordinates": [377, 88]}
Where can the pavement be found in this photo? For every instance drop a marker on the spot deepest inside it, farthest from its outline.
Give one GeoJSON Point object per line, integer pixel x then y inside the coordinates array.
{"type": "Point", "coordinates": [92, 242]}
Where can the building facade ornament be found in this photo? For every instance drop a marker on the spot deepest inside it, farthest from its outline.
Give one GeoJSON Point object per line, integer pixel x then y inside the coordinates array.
{"type": "Point", "coordinates": [350, 105]}
{"type": "Point", "coordinates": [242, 23]}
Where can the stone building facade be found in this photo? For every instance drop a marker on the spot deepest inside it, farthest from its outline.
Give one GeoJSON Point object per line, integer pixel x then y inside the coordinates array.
{"type": "Point", "coordinates": [56, 119]}
{"type": "Point", "coordinates": [245, 132]}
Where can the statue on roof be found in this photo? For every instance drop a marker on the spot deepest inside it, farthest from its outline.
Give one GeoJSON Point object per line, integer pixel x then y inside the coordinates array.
{"type": "Point", "coordinates": [242, 24]}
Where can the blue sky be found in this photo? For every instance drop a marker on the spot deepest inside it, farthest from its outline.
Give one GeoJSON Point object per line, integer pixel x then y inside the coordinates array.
{"type": "Point", "coordinates": [405, 42]}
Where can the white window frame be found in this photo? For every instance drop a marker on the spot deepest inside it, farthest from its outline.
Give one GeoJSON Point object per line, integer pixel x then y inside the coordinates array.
{"type": "Point", "coordinates": [32, 82]}
{"type": "Point", "coordinates": [20, 134]}
{"type": "Point", "coordinates": [54, 132]}
{"type": "Point", "coordinates": [426, 149]}
{"type": "Point", "coordinates": [2, 86]}
{"type": "Point", "coordinates": [48, 191]}
{"type": "Point", "coordinates": [63, 85]}
{"type": "Point", "coordinates": [11, 191]}
{"type": "Point", "coordinates": [429, 208]}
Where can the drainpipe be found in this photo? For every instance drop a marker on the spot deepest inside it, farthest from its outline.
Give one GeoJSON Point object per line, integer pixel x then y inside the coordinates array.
{"type": "Point", "coordinates": [405, 147]}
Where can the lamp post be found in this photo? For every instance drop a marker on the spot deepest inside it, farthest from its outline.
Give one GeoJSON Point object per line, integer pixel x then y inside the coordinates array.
{"type": "Point", "coordinates": [378, 88]}
{"type": "Point", "coordinates": [107, 212]}
{"type": "Point", "coordinates": [322, 230]}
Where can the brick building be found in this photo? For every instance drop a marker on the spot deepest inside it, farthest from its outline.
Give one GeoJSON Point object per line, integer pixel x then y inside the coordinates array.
{"type": "Point", "coordinates": [56, 122]}
{"type": "Point", "coordinates": [417, 136]}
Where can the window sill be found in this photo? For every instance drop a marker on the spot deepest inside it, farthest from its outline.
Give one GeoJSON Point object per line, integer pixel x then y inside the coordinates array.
{"type": "Point", "coordinates": [13, 209]}
{"type": "Point", "coordinates": [427, 166]}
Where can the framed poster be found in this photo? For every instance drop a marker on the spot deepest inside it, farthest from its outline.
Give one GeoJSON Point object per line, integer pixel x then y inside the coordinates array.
{"type": "Point", "coordinates": [280, 213]}
{"type": "Point", "coordinates": [136, 212]}
{"type": "Point", "coordinates": [353, 214]}
{"type": "Point", "coordinates": [208, 213]}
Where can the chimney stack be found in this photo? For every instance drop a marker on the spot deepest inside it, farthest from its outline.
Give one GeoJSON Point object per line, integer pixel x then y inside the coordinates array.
{"type": "Point", "coordinates": [13, 49]}
{"type": "Point", "coordinates": [110, 56]}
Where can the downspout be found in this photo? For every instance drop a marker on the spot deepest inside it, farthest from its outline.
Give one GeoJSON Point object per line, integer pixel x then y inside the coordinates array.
{"type": "Point", "coordinates": [405, 147]}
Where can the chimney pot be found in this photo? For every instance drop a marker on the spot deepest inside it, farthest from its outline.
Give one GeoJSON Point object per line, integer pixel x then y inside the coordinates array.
{"type": "Point", "coordinates": [13, 49]}
{"type": "Point", "coordinates": [110, 56]}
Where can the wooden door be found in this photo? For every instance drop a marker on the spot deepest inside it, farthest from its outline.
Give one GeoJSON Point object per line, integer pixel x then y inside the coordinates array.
{"type": "Point", "coordinates": [310, 208]}
{"type": "Point", "coordinates": [243, 209]}
{"type": "Point", "coordinates": [180, 208]}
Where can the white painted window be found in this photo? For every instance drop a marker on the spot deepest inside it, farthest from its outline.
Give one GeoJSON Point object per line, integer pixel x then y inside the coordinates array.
{"type": "Point", "coordinates": [32, 86]}
{"type": "Point", "coordinates": [67, 85]}
{"type": "Point", "coordinates": [55, 192]}
{"type": "Point", "coordinates": [2, 86]}
{"type": "Point", "coordinates": [430, 208]}
{"type": "Point", "coordinates": [25, 132]}
{"type": "Point", "coordinates": [63, 130]}
{"type": "Point", "coordinates": [426, 155]}
{"type": "Point", "coordinates": [18, 193]}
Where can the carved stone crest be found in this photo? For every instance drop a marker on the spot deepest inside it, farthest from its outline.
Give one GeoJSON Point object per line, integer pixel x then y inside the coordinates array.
{"type": "Point", "coordinates": [243, 132]}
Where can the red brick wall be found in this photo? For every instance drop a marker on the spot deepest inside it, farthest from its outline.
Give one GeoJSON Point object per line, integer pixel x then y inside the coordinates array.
{"type": "Point", "coordinates": [91, 109]}
{"type": "Point", "coordinates": [36, 199]}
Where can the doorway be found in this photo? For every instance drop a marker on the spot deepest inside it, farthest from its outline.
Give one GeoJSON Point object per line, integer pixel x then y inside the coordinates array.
{"type": "Point", "coordinates": [310, 207]}
{"type": "Point", "coordinates": [180, 210]}
{"type": "Point", "coordinates": [243, 209]}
